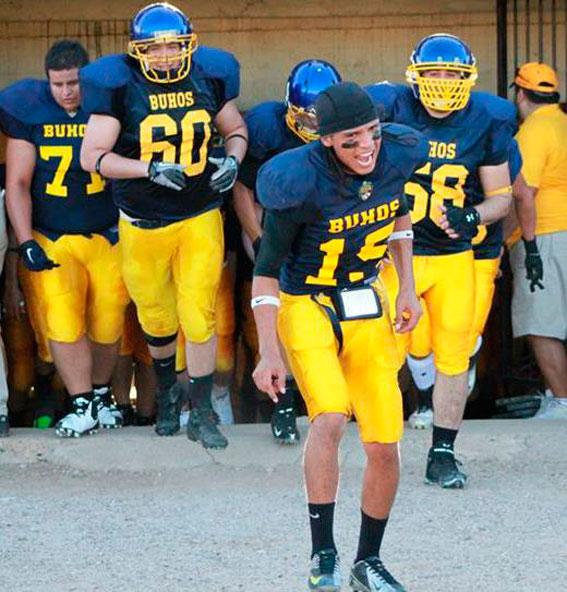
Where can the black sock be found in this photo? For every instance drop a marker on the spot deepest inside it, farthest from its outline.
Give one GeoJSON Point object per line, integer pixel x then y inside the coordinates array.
{"type": "Point", "coordinates": [102, 391]}
{"type": "Point", "coordinates": [165, 372]}
{"type": "Point", "coordinates": [321, 519]}
{"type": "Point", "coordinates": [200, 389]}
{"type": "Point", "coordinates": [88, 396]}
{"type": "Point", "coordinates": [444, 437]}
{"type": "Point", "coordinates": [371, 535]}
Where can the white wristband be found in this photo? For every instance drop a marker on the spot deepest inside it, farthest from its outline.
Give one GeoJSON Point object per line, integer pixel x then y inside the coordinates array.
{"type": "Point", "coordinates": [261, 300]}
{"type": "Point", "coordinates": [401, 234]}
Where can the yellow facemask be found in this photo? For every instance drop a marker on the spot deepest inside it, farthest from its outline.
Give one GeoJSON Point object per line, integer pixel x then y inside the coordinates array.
{"type": "Point", "coordinates": [180, 61]}
{"type": "Point", "coordinates": [293, 119]}
{"type": "Point", "coordinates": [443, 94]}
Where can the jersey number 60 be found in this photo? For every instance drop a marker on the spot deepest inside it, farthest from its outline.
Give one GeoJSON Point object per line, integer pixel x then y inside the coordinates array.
{"type": "Point", "coordinates": [194, 163]}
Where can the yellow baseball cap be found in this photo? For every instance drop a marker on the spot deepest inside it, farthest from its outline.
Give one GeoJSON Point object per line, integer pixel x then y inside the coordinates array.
{"type": "Point", "coordinates": [537, 77]}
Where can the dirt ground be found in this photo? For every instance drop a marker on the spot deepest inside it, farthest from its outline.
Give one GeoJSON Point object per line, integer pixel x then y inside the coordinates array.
{"type": "Point", "coordinates": [128, 511]}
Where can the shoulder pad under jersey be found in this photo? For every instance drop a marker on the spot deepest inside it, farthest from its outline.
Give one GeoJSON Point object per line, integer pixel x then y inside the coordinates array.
{"type": "Point", "coordinates": [266, 128]}
{"type": "Point", "coordinates": [101, 82]}
{"type": "Point", "coordinates": [496, 107]}
{"type": "Point", "coordinates": [220, 65]}
{"type": "Point", "coordinates": [386, 95]}
{"type": "Point", "coordinates": [406, 148]}
{"type": "Point", "coordinates": [25, 101]}
{"type": "Point", "coordinates": [112, 71]}
{"type": "Point", "coordinates": [287, 180]}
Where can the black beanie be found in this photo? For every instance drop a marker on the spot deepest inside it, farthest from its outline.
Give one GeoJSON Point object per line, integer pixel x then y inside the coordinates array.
{"type": "Point", "coordinates": [343, 106]}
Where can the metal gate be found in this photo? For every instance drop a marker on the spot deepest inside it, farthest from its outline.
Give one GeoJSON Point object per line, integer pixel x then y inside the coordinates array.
{"type": "Point", "coordinates": [531, 31]}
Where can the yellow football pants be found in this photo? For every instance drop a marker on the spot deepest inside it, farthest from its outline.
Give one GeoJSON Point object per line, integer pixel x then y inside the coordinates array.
{"type": "Point", "coordinates": [446, 284]}
{"type": "Point", "coordinates": [85, 294]}
{"type": "Point", "coordinates": [225, 327]}
{"type": "Point", "coordinates": [173, 274]}
{"type": "Point", "coordinates": [486, 271]}
{"type": "Point", "coordinates": [361, 379]}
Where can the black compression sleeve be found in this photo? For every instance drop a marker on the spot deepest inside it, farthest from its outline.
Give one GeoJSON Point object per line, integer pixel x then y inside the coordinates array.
{"type": "Point", "coordinates": [280, 230]}
{"type": "Point", "coordinates": [404, 207]}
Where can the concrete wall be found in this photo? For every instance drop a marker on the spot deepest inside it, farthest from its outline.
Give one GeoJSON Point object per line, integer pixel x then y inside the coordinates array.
{"type": "Point", "coordinates": [367, 40]}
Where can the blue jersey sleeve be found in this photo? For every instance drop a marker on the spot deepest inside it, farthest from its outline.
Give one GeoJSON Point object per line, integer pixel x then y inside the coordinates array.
{"type": "Point", "coordinates": [266, 138]}
{"type": "Point", "coordinates": [20, 107]}
{"type": "Point", "coordinates": [514, 160]}
{"type": "Point", "coordinates": [102, 85]}
{"type": "Point", "coordinates": [502, 128]}
{"type": "Point", "coordinates": [223, 68]}
{"type": "Point", "coordinates": [265, 122]}
{"type": "Point", "coordinates": [385, 96]}
{"type": "Point", "coordinates": [286, 181]}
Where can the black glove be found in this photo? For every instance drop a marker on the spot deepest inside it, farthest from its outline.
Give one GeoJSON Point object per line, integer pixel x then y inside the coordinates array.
{"type": "Point", "coordinates": [534, 265]}
{"type": "Point", "coordinates": [167, 174]}
{"type": "Point", "coordinates": [225, 176]}
{"type": "Point", "coordinates": [34, 257]}
{"type": "Point", "coordinates": [464, 221]}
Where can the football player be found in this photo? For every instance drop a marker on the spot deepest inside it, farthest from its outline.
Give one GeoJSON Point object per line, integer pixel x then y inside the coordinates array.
{"type": "Point", "coordinates": [274, 127]}
{"type": "Point", "coordinates": [469, 137]}
{"type": "Point", "coordinates": [65, 223]}
{"type": "Point", "coordinates": [332, 209]}
{"type": "Point", "coordinates": [487, 249]}
{"type": "Point", "coordinates": [152, 116]}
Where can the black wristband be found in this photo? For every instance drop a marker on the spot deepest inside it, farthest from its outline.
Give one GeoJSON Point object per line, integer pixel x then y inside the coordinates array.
{"type": "Point", "coordinates": [99, 162]}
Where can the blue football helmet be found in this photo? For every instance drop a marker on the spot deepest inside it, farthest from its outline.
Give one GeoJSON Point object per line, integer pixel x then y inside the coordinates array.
{"type": "Point", "coordinates": [442, 52]}
{"type": "Point", "coordinates": [162, 23]}
{"type": "Point", "coordinates": [304, 84]}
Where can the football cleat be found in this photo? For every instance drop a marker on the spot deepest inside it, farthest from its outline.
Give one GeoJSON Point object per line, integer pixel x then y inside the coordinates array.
{"type": "Point", "coordinates": [162, 24]}
{"type": "Point", "coordinates": [168, 407]}
{"type": "Point", "coordinates": [202, 427]}
{"type": "Point", "coordinates": [304, 84]}
{"type": "Point", "coordinates": [325, 572]}
{"type": "Point", "coordinates": [370, 575]}
{"type": "Point", "coordinates": [442, 469]}
{"type": "Point", "coordinates": [284, 425]}
{"type": "Point", "coordinates": [4, 426]}
{"type": "Point", "coordinates": [554, 408]}
{"type": "Point", "coordinates": [109, 416]}
{"type": "Point", "coordinates": [447, 53]}
{"type": "Point", "coordinates": [82, 420]}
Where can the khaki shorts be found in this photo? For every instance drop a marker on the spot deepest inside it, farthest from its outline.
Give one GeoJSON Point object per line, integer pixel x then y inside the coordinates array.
{"type": "Point", "coordinates": [543, 312]}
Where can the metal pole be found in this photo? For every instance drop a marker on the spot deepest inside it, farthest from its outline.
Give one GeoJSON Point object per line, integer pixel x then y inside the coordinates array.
{"type": "Point", "coordinates": [528, 31]}
{"type": "Point", "coordinates": [540, 31]}
{"type": "Point", "coordinates": [502, 46]}
{"type": "Point", "coordinates": [516, 48]}
{"type": "Point", "coordinates": [553, 35]}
